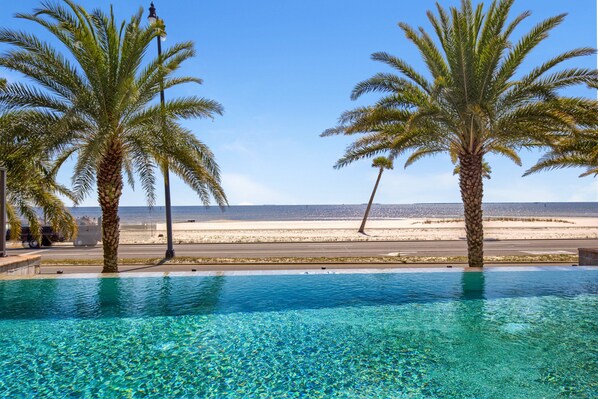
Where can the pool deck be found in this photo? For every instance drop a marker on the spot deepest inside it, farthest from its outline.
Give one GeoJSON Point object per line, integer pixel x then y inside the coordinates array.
{"type": "Point", "coordinates": [134, 274]}
{"type": "Point", "coordinates": [272, 269]}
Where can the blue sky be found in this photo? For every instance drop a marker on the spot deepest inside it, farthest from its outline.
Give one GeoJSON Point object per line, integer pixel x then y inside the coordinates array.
{"type": "Point", "coordinates": [283, 71]}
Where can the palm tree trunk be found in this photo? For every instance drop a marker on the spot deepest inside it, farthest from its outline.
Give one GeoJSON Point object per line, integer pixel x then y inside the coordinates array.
{"type": "Point", "coordinates": [472, 191]}
{"type": "Point", "coordinates": [110, 186]}
{"type": "Point", "coordinates": [367, 210]}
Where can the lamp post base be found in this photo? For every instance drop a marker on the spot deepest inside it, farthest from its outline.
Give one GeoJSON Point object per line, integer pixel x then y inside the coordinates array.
{"type": "Point", "coordinates": [169, 253]}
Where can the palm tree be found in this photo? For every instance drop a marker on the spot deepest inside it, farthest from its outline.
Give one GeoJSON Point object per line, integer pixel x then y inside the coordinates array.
{"type": "Point", "coordinates": [31, 181]}
{"type": "Point", "coordinates": [103, 91]}
{"type": "Point", "coordinates": [381, 163]}
{"type": "Point", "coordinates": [474, 102]}
{"type": "Point", "coordinates": [486, 170]}
{"type": "Point", "coordinates": [579, 150]}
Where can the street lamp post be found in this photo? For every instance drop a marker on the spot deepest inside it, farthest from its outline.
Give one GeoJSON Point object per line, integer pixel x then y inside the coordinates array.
{"type": "Point", "coordinates": [2, 212]}
{"type": "Point", "coordinates": [153, 19]}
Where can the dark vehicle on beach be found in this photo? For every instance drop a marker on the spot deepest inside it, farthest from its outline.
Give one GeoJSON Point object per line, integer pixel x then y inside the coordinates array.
{"type": "Point", "coordinates": [49, 236]}
{"type": "Point", "coordinates": [88, 236]}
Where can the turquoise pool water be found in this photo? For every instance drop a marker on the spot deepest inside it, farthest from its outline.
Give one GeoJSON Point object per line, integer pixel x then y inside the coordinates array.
{"type": "Point", "coordinates": [524, 334]}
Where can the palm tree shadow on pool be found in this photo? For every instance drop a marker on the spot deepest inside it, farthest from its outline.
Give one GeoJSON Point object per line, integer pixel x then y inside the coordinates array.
{"type": "Point", "coordinates": [151, 297]}
{"type": "Point", "coordinates": [473, 285]}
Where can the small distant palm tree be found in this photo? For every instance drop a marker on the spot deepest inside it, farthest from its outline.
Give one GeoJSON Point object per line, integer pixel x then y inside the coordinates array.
{"type": "Point", "coordinates": [30, 178]}
{"type": "Point", "coordinates": [475, 101]}
{"type": "Point", "coordinates": [103, 90]}
{"type": "Point", "coordinates": [579, 150]}
{"type": "Point", "coordinates": [381, 163]}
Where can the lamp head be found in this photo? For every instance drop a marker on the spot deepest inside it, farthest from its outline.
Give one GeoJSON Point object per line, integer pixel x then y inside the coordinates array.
{"type": "Point", "coordinates": [152, 17]}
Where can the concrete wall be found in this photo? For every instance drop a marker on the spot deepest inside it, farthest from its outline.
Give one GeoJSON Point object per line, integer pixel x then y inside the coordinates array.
{"type": "Point", "coordinates": [588, 256]}
{"type": "Point", "coordinates": [20, 265]}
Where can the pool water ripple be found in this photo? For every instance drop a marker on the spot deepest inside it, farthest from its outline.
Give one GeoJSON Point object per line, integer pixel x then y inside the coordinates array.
{"type": "Point", "coordinates": [467, 335]}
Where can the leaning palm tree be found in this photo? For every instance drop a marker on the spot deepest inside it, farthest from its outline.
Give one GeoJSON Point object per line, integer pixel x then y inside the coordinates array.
{"type": "Point", "coordinates": [475, 101]}
{"type": "Point", "coordinates": [31, 182]}
{"type": "Point", "coordinates": [103, 89]}
{"type": "Point", "coordinates": [579, 150]}
{"type": "Point", "coordinates": [380, 163]}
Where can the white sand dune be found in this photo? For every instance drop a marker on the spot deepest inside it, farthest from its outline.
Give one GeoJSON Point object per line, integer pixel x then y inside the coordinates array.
{"type": "Point", "coordinates": [344, 230]}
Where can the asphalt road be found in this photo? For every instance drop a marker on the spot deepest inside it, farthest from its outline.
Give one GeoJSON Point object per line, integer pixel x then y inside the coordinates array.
{"type": "Point", "coordinates": [335, 249]}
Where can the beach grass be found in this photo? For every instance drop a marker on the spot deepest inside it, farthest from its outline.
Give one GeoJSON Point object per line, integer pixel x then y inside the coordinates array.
{"type": "Point", "coordinates": [497, 219]}
{"type": "Point", "coordinates": [186, 260]}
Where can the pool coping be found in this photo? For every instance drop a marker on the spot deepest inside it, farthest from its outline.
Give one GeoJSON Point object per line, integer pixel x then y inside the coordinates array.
{"type": "Point", "coordinates": [456, 269]}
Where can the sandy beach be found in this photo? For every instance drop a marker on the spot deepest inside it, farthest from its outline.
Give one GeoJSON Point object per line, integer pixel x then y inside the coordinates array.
{"type": "Point", "coordinates": [343, 230]}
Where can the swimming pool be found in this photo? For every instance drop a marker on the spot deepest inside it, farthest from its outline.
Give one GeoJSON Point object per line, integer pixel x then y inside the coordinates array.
{"type": "Point", "coordinates": [497, 334]}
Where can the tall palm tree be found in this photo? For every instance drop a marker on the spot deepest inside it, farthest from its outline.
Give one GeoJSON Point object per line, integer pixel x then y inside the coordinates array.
{"type": "Point", "coordinates": [486, 170]}
{"type": "Point", "coordinates": [475, 101]}
{"type": "Point", "coordinates": [103, 89]}
{"type": "Point", "coordinates": [31, 180]}
{"type": "Point", "coordinates": [579, 150]}
{"type": "Point", "coordinates": [380, 163]}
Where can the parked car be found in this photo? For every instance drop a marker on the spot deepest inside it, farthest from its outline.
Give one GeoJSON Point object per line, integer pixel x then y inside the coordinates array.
{"type": "Point", "coordinates": [49, 236]}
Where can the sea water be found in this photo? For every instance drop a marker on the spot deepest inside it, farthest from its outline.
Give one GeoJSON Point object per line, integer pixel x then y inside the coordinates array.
{"type": "Point", "coordinates": [142, 214]}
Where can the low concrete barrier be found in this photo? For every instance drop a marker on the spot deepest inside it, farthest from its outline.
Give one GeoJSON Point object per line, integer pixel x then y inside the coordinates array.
{"type": "Point", "coordinates": [20, 265]}
{"type": "Point", "coordinates": [588, 256]}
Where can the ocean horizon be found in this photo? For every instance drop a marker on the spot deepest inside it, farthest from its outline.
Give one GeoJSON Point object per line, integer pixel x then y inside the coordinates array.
{"type": "Point", "coordinates": [145, 214]}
